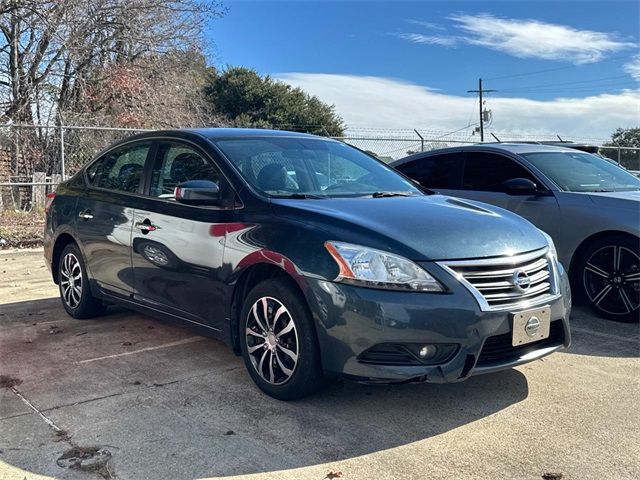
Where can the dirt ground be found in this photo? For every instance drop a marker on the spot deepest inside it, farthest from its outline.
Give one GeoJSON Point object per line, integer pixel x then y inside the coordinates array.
{"type": "Point", "coordinates": [20, 229]}
{"type": "Point", "coordinates": [130, 397]}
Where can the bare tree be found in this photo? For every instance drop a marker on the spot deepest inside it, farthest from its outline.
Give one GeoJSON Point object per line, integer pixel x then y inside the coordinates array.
{"type": "Point", "coordinates": [51, 51]}
{"type": "Point", "coordinates": [159, 91]}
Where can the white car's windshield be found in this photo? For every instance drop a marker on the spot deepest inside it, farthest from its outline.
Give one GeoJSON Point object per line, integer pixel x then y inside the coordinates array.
{"type": "Point", "coordinates": [583, 172]}
{"type": "Point", "coordinates": [310, 168]}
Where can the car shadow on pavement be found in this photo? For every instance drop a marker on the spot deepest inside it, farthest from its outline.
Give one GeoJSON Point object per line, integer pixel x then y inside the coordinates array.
{"type": "Point", "coordinates": [591, 335]}
{"type": "Point", "coordinates": [191, 411]}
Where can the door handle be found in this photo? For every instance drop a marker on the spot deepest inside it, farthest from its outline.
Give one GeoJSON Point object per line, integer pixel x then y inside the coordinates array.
{"type": "Point", "coordinates": [146, 226]}
{"type": "Point", "coordinates": [85, 215]}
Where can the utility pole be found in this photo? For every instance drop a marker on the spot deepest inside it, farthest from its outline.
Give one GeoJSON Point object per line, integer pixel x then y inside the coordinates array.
{"type": "Point", "coordinates": [480, 91]}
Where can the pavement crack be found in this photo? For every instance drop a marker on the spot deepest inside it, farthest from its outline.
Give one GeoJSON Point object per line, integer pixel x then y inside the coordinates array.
{"type": "Point", "coordinates": [88, 400]}
{"type": "Point", "coordinates": [46, 419]}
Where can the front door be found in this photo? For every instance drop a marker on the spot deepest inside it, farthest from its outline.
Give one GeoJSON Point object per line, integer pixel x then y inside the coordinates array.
{"type": "Point", "coordinates": [177, 249]}
{"type": "Point", "coordinates": [105, 216]}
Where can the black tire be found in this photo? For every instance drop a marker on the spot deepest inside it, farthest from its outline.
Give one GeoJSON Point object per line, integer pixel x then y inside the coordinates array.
{"type": "Point", "coordinates": [608, 276]}
{"type": "Point", "coordinates": [75, 292]}
{"type": "Point", "coordinates": [263, 350]}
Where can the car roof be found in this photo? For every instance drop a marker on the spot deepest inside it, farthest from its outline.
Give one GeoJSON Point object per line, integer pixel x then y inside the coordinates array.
{"type": "Point", "coordinates": [515, 148]}
{"type": "Point", "coordinates": [215, 133]}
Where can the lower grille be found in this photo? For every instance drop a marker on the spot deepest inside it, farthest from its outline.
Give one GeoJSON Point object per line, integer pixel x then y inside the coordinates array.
{"type": "Point", "coordinates": [498, 349]}
{"type": "Point", "coordinates": [389, 354]}
{"type": "Point", "coordinates": [398, 354]}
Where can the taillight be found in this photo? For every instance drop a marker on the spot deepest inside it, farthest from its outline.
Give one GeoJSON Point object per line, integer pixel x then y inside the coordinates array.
{"type": "Point", "coordinates": [49, 201]}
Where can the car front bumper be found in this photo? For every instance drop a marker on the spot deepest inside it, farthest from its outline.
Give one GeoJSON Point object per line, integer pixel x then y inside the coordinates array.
{"type": "Point", "coordinates": [350, 320]}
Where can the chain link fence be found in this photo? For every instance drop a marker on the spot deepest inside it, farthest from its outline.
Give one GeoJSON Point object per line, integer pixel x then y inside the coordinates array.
{"type": "Point", "coordinates": [33, 158]}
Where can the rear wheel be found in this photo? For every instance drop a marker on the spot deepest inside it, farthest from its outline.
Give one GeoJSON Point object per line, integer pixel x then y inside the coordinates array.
{"type": "Point", "coordinates": [278, 341]}
{"type": "Point", "coordinates": [610, 277]}
{"type": "Point", "coordinates": [73, 283]}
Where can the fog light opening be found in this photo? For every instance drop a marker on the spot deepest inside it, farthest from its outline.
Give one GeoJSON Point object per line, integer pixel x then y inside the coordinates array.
{"type": "Point", "coordinates": [427, 351]}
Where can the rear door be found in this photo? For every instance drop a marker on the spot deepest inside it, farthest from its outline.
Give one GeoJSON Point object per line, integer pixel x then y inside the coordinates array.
{"type": "Point", "coordinates": [105, 216]}
{"type": "Point", "coordinates": [177, 249]}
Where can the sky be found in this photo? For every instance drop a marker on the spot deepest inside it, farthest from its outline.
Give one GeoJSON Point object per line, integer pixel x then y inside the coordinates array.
{"type": "Point", "coordinates": [571, 68]}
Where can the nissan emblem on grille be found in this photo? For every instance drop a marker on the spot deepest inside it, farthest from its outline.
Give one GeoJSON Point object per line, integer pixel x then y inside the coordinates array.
{"type": "Point", "coordinates": [532, 326]}
{"type": "Point", "coordinates": [521, 280]}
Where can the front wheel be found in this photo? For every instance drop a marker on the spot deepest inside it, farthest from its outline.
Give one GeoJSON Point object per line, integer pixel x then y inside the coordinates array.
{"type": "Point", "coordinates": [73, 283]}
{"type": "Point", "coordinates": [610, 277]}
{"type": "Point", "coordinates": [278, 341]}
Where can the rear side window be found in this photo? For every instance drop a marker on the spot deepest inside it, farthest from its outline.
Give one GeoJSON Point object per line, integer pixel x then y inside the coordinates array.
{"type": "Point", "coordinates": [487, 172]}
{"type": "Point", "coordinates": [438, 171]}
{"type": "Point", "coordinates": [121, 169]}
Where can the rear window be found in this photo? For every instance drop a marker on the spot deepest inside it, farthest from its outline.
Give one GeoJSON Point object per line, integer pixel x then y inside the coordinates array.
{"type": "Point", "coordinates": [437, 171]}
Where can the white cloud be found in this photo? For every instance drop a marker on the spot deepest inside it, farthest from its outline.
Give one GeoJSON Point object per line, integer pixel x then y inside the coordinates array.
{"type": "Point", "coordinates": [442, 40]}
{"type": "Point", "coordinates": [633, 67]}
{"type": "Point", "coordinates": [385, 103]}
{"type": "Point", "coordinates": [428, 25]}
{"type": "Point", "coordinates": [530, 38]}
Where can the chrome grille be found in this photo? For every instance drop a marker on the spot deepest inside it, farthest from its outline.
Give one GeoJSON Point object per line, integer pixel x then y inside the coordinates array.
{"type": "Point", "coordinates": [507, 282]}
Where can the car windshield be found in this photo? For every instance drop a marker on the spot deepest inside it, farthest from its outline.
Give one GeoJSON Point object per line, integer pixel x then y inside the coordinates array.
{"type": "Point", "coordinates": [312, 168]}
{"type": "Point", "coordinates": [583, 172]}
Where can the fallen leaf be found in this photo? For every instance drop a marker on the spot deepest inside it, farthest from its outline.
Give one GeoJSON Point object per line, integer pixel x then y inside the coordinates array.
{"type": "Point", "coordinates": [552, 476]}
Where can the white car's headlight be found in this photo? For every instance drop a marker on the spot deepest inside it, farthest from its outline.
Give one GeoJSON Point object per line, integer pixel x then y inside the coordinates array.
{"type": "Point", "coordinates": [377, 269]}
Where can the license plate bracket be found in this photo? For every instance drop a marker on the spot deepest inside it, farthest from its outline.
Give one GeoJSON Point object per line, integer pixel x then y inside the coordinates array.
{"type": "Point", "coordinates": [530, 325]}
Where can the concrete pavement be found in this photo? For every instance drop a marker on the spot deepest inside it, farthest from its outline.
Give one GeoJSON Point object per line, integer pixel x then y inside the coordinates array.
{"type": "Point", "coordinates": [167, 403]}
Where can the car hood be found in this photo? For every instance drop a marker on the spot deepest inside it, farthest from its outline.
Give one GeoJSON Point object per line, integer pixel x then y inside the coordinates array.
{"type": "Point", "coordinates": [433, 227]}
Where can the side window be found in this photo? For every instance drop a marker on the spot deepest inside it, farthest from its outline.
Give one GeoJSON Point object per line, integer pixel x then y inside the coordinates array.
{"type": "Point", "coordinates": [177, 163]}
{"type": "Point", "coordinates": [487, 172]}
{"type": "Point", "coordinates": [438, 171]}
{"type": "Point", "coordinates": [120, 169]}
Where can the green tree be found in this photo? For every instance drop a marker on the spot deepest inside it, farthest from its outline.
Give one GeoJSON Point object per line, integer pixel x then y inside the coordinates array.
{"type": "Point", "coordinates": [625, 137]}
{"type": "Point", "coordinates": [250, 100]}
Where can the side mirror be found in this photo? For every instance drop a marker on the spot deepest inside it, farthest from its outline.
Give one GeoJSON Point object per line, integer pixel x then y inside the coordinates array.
{"type": "Point", "coordinates": [198, 192]}
{"type": "Point", "coordinates": [519, 186]}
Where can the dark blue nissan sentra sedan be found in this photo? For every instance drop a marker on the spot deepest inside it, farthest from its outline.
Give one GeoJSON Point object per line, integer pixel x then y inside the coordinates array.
{"type": "Point", "coordinates": [308, 257]}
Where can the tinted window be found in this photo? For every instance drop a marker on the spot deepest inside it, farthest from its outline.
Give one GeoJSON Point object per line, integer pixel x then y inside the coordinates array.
{"type": "Point", "coordinates": [488, 171]}
{"type": "Point", "coordinates": [582, 172]}
{"type": "Point", "coordinates": [283, 166]}
{"type": "Point", "coordinates": [438, 171]}
{"type": "Point", "coordinates": [120, 169]}
{"type": "Point", "coordinates": [176, 163]}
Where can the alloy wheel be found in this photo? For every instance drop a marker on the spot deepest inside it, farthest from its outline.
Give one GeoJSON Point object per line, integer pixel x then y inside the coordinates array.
{"type": "Point", "coordinates": [71, 280]}
{"type": "Point", "coordinates": [272, 340]}
{"type": "Point", "coordinates": [611, 279]}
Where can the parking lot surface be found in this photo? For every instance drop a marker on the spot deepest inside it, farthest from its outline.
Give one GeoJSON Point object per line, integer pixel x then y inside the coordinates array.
{"type": "Point", "coordinates": [130, 397]}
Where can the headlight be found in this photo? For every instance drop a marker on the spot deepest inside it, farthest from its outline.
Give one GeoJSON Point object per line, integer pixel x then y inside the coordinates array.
{"type": "Point", "coordinates": [377, 269]}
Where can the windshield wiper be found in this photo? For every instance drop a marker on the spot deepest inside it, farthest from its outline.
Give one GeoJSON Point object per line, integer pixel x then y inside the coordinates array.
{"type": "Point", "coordinates": [301, 196]}
{"type": "Point", "coordinates": [391, 194]}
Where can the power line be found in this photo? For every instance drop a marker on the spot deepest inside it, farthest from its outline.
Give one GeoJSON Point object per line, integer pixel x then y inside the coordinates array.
{"type": "Point", "coordinates": [593, 80]}
{"type": "Point", "coordinates": [536, 72]}
{"type": "Point", "coordinates": [618, 86]}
